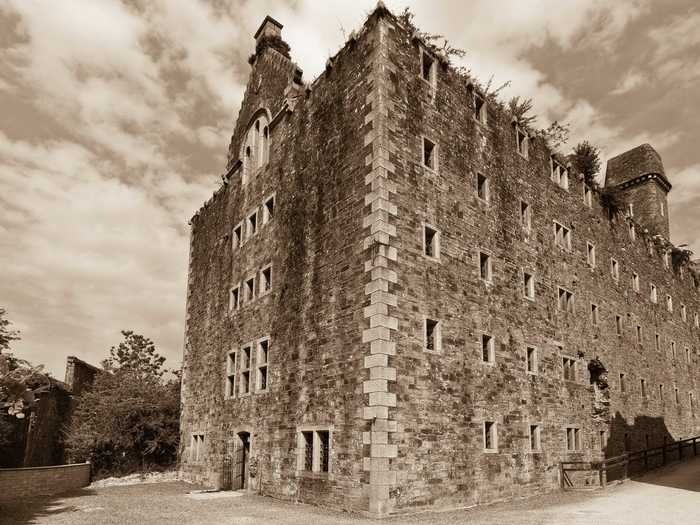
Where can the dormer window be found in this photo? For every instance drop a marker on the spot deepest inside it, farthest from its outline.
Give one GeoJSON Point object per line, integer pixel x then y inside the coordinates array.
{"type": "Point", "coordinates": [428, 68]}
{"type": "Point", "coordinates": [522, 141]}
{"type": "Point", "coordinates": [479, 106]}
{"type": "Point", "coordinates": [559, 174]}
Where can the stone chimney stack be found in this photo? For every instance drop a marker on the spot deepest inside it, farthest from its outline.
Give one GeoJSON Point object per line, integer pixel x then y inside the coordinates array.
{"type": "Point", "coordinates": [269, 27]}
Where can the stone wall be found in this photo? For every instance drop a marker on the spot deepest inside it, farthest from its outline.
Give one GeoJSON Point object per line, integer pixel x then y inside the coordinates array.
{"type": "Point", "coordinates": [352, 290]}
{"type": "Point", "coordinates": [443, 398]}
{"type": "Point", "coordinates": [313, 314]}
{"type": "Point", "coordinates": [42, 481]}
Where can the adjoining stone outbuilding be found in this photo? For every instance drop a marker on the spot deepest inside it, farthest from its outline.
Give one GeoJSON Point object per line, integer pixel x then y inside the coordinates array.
{"type": "Point", "coordinates": [400, 298]}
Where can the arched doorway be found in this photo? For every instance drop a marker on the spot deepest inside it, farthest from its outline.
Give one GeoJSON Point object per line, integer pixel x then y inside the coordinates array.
{"type": "Point", "coordinates": [241, 461]}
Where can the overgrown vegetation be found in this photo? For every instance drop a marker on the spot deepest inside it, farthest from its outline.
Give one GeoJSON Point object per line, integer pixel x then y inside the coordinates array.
{"type": "Point", "coordinates": [445, 52]}
{"type": "Point", "coordinates": [681, 256]}
{"type": "Point", "coordinates": [129, 419]}
{"type": "Point", "coordinates": [586, 160]}
{"type": "Point", "coordinates": [273, 41]}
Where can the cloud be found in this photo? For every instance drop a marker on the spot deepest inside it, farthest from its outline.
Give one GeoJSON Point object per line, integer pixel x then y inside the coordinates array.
{"type": "Point", "coordinates": [629, 82]}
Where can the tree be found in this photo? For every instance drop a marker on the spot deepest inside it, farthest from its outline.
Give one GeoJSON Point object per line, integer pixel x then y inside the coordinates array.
{"type": "Point", "coordinates": [129, 419]}
{"type": "Point", "coordinates": [586, 160]}
{"type": "Point", "coordinates": [6, 335]}
{"type": "Point", "coordinates": [136, 353]}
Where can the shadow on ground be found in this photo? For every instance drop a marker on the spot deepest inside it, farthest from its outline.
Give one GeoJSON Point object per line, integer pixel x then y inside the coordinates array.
{"type": "Point", "coordinates": [28, 510]}
{"type": "Point", "coordinates": [685, 476]}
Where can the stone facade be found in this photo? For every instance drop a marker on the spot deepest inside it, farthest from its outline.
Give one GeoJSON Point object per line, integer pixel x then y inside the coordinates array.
{"type": "Point", "coordinates": [376, 395]}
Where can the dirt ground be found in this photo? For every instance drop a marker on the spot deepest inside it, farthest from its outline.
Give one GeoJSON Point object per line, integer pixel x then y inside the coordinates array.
{"type": "Point", "coordinates": [668, 496]}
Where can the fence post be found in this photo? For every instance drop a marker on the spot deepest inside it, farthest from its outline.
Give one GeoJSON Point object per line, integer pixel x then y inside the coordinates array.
{"type": "Point", "coordinates": [561, 474]}
{"type": "Point", "coordinates": [627, 466]}
{"type": "Point", "coordinates": [663, 453]}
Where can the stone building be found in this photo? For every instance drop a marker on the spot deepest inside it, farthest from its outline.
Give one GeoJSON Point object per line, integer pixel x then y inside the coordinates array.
{"type": "Point", "coordinates": [401, 298]}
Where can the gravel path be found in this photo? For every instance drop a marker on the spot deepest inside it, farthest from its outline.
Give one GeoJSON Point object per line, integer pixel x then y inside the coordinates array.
{"type": "Point", "coordinates": [669, 496]}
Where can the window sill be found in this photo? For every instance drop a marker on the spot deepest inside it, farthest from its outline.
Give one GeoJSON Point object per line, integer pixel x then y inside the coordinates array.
{"type": "Point", "coordinates": [314, 475]}
{"type": "Point", "coordinates": [490, 451]}
{"type": "Point", "coordinates": [431, 258]}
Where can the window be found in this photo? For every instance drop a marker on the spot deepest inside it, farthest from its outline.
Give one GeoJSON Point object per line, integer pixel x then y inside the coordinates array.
{"type": "Point", "coordinates": [490, 436]}
{"type": "Point", "coordinates": [255, 150]}
{"type": "Point", "coordinates": [428, 68]}
{"type": "Point", "coordinates": [535, 445]}
{"type": "Point", "coordinates": [669, 303]}
{"type": "Point", "coordinates": [531, 359]}
{"type": "Point", "coordinates": [590, 254]}
{"type": "Point", "coordinates": [559, 174]}
{"type": "Point", "coordinates": [237, 238]}
{"type": "Point", "coordinates": [485, 267]}
{"type": "Point", "coordinates": [618, 325]}
{"type": "Point", "coordinates": [639, 335]}
{"type": "Point", "coordinates": [643, 387]}
{"type": "Point", "coordinates": [663, 209]}
{"type": "Point", "coordinates": [666, 257]}
{"type": "Point", "coordinates": [479, 107]}
{"type": "Point", "coordinates": [433, 336]}
{"type": "Point", "coordinates": [250, 289]}
{"type": "Point", "coordinates": [635, 281]}
{"type": "Point", "coordinates": [244, 383]}
{"type": "Point", "coordinates": [263, 358]}
{"type": "Point", "coordinates": [314, 451]}
{"type": "Point", "coordinates": [569, 365]}
{"type": "Point", "coordinates": [657, 342]}
{"type": "Point", "coordinates": [562, 236]}
{"type": "Point", "coordinates": [431, 242]}
{"type": "Point", "coordinates": [653, 294]}
{"type": "Point", "coordinates": [234, 298]}
{"type": "Point", "coordinates": [573, 439]}
{"type": "Point", "coordinates": [684, 313]}
{"type": "Point", "coordinates": [673, 349]}
{"type": "Point", "coordinates": [615, 269]}
{"type": "Point", "coordinates": [488, 351]}
{"type": "Point", "coordinates": [594, 314]}
{"type": "Point", "coordinates": [602, 439]}
{"type": "Point", "coordinates": [197, 448]}
{"type": "Point", "coordinates": [252, 224]}
{"type": "Point", "coordinates": [525, 215]}
{"type": "Point", "coordinates": [691, 403]}
{"type": "Point", "coordinates": [231, 374]}
{"type": "Point", "coordinates": [630, 209]}
{"type": "Point", "coordinates": [587, 196]}
{"type": "Point", "coordinates": [565, 300]}
{"type": "Point", "coordinates": [623, 383]}
{"type": "Point", "coordinates": [687, 355]}
{"type": "Point", "coordinates": [528, 285]}
{"type": "Point", "coordinates": [268, 209]}
{"type": "Point", "coordinates": [675, 394]}
{"type": "Point", "coordinates": [482, 187]}
{"type": "Point", "coordinates": [521, 141]}
{"type": "Point", "coordinates": [633, 233]}
{"type": "Point", "coordinates": [265, 280]}
{"type": "Point", "coordinates": [696, 320]}
{"type": "Point", "coordinates": [429, 154]}
{"type": "Point", "coordinates": [661, 393]}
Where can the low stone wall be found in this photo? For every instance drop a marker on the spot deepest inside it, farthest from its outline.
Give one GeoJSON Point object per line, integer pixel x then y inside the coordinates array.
{"type": "Point", "coordinates": [18, 483]}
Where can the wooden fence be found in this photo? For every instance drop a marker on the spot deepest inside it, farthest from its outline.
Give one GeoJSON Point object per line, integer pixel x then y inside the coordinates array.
{"type": "Point", "coordinates": [639, 461]}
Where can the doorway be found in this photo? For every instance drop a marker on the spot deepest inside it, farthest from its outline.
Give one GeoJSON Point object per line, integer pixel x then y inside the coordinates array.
{"type": "Point", "coordinates": [241, 460]}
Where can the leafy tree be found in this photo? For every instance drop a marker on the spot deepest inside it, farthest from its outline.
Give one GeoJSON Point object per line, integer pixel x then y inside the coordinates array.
{"type": "Point", "coordinates": [6, 335]}
{"type": "Point", "coordinates": [129, 419]}
{"type": "Point", "coordinates": [586, 159]}
{"type": "Point", "coordinates": [136, 353]}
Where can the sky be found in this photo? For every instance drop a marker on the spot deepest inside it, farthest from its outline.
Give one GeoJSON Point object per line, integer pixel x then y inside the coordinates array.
{"type": "Point", "coordinates": [115, 119]}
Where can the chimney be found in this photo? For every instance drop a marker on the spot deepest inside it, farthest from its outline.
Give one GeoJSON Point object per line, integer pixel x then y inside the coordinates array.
{"type": "Point", "coordinates": [269, 27]}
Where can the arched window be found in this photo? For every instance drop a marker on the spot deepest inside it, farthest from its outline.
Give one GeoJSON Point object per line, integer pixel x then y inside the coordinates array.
{"type": "Point", "coordinates": [256, 147]}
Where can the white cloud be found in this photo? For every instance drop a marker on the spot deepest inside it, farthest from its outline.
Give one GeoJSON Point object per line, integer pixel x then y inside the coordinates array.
{"type": "Point", "coordinates": [630, 81]}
